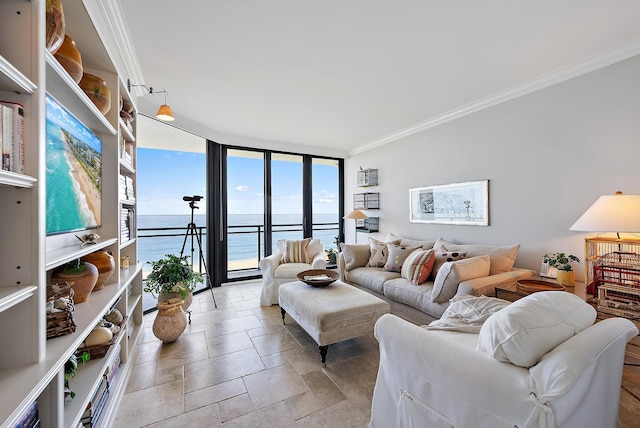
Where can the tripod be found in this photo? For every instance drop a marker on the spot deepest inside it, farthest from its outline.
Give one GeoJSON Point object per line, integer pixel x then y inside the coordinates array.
{"type": "Point", "coordinates": [192, 232]}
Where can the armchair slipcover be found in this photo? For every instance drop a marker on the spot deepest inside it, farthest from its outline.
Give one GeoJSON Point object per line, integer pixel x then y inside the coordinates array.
{"type": "Point", "coordinates": [276, 272]}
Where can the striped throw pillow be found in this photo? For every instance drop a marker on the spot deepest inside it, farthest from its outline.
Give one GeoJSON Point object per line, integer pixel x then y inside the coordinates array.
{"type": "Point", "coordinates": [296, 251]}
{"type": "Point", "coordinates": [417, 267]}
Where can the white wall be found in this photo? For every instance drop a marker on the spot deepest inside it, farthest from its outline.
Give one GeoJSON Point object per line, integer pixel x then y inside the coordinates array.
{"type": "Point", "coordinates": [548, 156]}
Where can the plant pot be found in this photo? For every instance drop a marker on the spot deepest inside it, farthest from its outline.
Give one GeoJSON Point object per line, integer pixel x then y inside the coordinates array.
{"type": "Point", "coordinates": [96, 89]}
{"type": "Point", "coordinates": [55, 26]}
{"type": "Point", "coordinates": [186, 303]}
{"type": "Point", "coordinates": [82, 282]}
{"type": "Point", "coordinates": [103, 260]}
{"type": "Point", "coordinates": [566, 278]}
{"type": "Point", "coordinates": [70, 59]}
{"type": "Point", "coordinates": [170, 321]}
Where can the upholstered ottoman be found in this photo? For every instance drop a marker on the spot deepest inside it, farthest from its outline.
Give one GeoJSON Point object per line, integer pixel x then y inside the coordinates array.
{"type": "Point", "coordinates": [331, 314]}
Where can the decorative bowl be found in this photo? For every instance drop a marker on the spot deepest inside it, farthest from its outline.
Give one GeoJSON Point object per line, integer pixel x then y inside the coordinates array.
{"type": "Point", "coordinates": [533, 285]}
{"type": "Point", "coordinates": [96, 89]}
{"type": "Point", "coordinates": [55, 26]}
{"type": "Point", "coordinates": [70, 59]}
{"type": "Point", "coordinates": [318, 277]}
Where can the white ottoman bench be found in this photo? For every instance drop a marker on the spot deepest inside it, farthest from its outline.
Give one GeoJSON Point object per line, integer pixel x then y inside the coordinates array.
{"type": "Point", "coordinates": [331, 314]}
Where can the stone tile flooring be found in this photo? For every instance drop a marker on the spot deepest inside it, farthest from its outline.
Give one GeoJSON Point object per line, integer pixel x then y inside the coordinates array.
{"type": "Point", "coordinates": [239, 366]}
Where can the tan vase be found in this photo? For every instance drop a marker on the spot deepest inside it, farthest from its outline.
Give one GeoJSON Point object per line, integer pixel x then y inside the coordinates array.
{"type": "Point", "coordinates": [186, 303]}
{"type": "Point", "coordinates": [55, 26]}
{"type": "Point", "coordinates": [82, 282]}
{"type": "Point", "coordinates": [170, 321]}
{"type": "Point", "coordinates": [96, 89]}
{"type": "Point", "coordinates": [70, 59]}
{"type": "Point", "coordinates": [103, 260]}
{"type": "Point", "coordinates": [566, 278]}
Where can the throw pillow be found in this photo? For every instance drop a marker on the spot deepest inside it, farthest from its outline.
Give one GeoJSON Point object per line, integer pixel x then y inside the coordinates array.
{"type": "Point", "coordinates": [355, 255]}
{"type": "Point", "coordinates": [379, 252]}
{"type": "Point", "coordinates": [502, 258]}
{"type": "Point", "coordinates": [296, 251]}
{"type": "Point", "coordinates": [417, 267]}
{"type": "Point", "coordinates": [527, 329]}
{"type": "Point", "coordinates": [442, 256]}
{"type": "Point", "coordinates": [397, 256]}
{"type": "Point", "coordinates": [451, 274]}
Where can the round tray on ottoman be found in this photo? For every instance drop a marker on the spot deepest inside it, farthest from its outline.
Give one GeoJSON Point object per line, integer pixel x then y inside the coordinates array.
{"type": "Point", "coordinates": [318, 277]}
{"type": "Point", "coordinates": [533, 285]}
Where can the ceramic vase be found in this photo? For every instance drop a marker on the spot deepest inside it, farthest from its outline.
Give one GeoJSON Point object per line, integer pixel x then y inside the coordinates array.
{"type": "Point", "coordinates": [170, 321]}
{"type": "Point", "coordinates": [70, 59]}
{"type": "Point", "coordinates": [96, 89]}
{"type": "Point", "coordinates": [82, 282]}
{"type": "Point", "coordinates": [103, 260]}
{"type": "Point", "coordinates": [55, 26]}
{"type": "Point", "coordinates": [566, 278]}
{"type": "Point", "coordinates": [186, 303]}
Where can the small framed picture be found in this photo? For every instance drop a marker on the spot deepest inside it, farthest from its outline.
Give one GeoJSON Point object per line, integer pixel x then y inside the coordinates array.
{"type": "Point", "coordinates": [547, 271]}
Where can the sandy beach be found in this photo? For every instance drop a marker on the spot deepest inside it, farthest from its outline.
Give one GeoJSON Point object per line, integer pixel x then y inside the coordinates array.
{"type": "Point", "coordinates": [86, 185]}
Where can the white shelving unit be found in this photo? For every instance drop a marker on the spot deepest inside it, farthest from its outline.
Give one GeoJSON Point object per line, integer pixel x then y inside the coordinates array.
{"type": "Point", "coordinates": [32, 367]}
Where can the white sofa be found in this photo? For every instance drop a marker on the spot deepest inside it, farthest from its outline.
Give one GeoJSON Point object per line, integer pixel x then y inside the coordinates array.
{"type": "Point", "coordinates": [437, 378]}
{"type": "Point", "coordinates": [353, 267]}
{"type": "Point", "coordinates": [276, 272]}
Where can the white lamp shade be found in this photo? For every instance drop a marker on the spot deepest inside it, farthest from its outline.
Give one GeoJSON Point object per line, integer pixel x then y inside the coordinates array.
{"type": "Point", "coordinates": [356, 215]}
{"type": "Point", "coordinates": [611, 213]}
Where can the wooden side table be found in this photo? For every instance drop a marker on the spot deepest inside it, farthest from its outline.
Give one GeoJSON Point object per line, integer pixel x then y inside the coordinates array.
{"type": "Point", "coordinates": [512, 292]}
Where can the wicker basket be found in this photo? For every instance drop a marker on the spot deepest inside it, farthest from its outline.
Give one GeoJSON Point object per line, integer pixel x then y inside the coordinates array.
{"type": "Point", "coordinates": [99, 351]}
{"type": "Point", "coordinates": [61, 322]}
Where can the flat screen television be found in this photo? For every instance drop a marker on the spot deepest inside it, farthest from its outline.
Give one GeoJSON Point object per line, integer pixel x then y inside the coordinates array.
{"type": "Point", "coordinates": [74, 172]}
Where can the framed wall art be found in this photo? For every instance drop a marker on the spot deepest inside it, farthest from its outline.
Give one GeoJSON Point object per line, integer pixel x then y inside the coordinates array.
{"type": "Point", "coordinates": [457, 203]}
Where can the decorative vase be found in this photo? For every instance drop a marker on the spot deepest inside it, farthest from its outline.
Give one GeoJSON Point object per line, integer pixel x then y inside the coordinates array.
{"type": "Point", "coordinates": [81, 281]}
{"type": "Point", "coordinates": [96, 89]}
{"type": "Point", "coordinates": [55, 26]}
{"type": "Point", "coordinates": [70, 59]}
{"type": "Point", "coordinates": [170, 321]}
{"type": "Point", "coordinates": [566, 278]}
{"type": "Point", "coordinates": [103, 260]}
{"type": "Point", "coordinates": [186, 303]}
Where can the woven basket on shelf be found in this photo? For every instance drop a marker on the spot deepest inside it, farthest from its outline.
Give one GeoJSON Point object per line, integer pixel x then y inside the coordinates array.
{"type": "Point", "coordinates": [99, 351]}
{"type": "Point", "coordinates": [60, 322]}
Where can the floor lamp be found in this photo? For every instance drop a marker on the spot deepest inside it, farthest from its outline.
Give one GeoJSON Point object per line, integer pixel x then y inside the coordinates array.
{"type": "Point", "coordinates": [356, 215]}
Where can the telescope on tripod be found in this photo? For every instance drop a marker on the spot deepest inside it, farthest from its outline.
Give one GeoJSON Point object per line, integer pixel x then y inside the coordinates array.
{"type": "Point", "coordinates": [192, 235]}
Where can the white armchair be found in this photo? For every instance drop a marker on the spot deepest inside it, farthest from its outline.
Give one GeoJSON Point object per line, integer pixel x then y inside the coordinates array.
{"type": "Point", "coordinates": [276, 272]}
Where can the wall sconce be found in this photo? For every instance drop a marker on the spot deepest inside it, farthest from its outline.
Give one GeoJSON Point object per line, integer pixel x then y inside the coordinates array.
{"type": "Point", "coordinates": [164, 112]}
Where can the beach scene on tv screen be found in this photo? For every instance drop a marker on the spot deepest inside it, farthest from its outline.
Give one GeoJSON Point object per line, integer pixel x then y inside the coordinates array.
{"type": "Point", "coordinates": [74, 172]}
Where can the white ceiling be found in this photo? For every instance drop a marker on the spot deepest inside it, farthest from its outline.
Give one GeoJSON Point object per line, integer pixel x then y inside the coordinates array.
{"type": "Point", "coordinates": [351, 74]}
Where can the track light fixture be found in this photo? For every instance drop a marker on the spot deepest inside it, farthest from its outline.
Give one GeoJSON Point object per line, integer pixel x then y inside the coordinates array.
{"type": "Point", "coordinates": [164, 112]}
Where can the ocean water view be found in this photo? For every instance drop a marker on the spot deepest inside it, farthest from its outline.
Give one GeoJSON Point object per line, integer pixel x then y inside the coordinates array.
{"type": "Point", "coordinates": [243, 238]}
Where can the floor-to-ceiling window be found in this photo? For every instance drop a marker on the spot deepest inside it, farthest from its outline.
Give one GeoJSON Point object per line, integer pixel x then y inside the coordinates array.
{"type": "Point", "coordinates": [261, 196]}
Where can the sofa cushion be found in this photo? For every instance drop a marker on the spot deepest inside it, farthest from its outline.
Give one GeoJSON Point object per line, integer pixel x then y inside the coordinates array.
{"type": "Point", "coordinates": [523, 332]}
{"type": "Point", "coordinates": [451, 274]}
{"type": "Point", "coordinates": [355, 255]}
{"type": "Point", "coordinates": [372, 278]}
{"type": "Point", "coordinates": [502, 258]}
{"type": "Point", "coordinates": [442, 256]}
{"type": "Point", "coordinates": [295, 251]}
{"type": "Point", "coordinates": [402, 291]}
{"type": "Point", "coordinates": [378, 252]}
{"type": "Point", "coordinates": [407, 242]}
{"type": "Point", "coordinates": [397, 256]}
{"type": "Point", "coordinates": [417, 267]}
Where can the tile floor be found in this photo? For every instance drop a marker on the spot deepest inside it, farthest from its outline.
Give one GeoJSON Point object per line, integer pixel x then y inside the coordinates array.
{"type": "Point", "coordinates": [239, 366]}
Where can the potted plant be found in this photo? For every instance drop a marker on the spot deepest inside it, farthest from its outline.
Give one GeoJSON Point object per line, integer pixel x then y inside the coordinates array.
{"type": "Point", "coordinates": [332, 255]}
{"type": "Point", "coordinates": [564, 263]}
{"type": "Point", "coordinates": [172, 276]}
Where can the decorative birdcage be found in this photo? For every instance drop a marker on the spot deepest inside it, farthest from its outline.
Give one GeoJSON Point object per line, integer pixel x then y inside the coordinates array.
{"type": "Point", "coordinates": [617, 282]}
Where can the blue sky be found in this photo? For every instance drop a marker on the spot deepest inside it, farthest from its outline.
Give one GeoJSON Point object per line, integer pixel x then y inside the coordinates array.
{"type": "Point", "coordinates": [164, 177]}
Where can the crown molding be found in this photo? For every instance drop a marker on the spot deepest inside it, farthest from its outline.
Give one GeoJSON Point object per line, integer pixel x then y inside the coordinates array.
{"type": "Point", "coordinates": [619, 53]}
{"type": "Point", "coordinates": [108, 18]}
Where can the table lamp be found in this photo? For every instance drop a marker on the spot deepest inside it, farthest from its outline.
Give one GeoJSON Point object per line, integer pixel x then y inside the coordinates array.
{"type": "Point", "coordinates": [356, 215]}
{"type": "Point", "coordinates": [611, 213]}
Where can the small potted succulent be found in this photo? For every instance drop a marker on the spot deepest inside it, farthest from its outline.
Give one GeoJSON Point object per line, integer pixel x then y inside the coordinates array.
{"type": "Point", "coordinates": [564, 264]}
{"type": "Point", "coordinates": [172, 276]}
{"type": "Point", "coordinates": [332, 255]}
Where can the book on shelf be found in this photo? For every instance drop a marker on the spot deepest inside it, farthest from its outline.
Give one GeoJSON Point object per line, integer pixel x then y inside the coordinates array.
{"type": "Point", "coordinates": [16, 144]}
{"type": "Point", "coordinates": [29, 419]}
{"type": "Point", "coordinates": [7, 136]}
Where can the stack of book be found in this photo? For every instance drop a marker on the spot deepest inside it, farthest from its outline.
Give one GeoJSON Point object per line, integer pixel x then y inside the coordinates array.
{"type": "Point", "coordinates": [127, 218]}
{"type": "Point", "coordinates": [30, 417]}
{"type": "Point", "coordinates": [12, 136]}
{"type": "Point", "coordinates": [125, 188]}
{"type": "Point", "coordinates": [127, 153]}
{"type": "Point", "coordinates": [93, 411]}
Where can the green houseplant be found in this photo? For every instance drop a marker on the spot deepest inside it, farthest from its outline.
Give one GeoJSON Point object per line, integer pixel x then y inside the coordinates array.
{"type": "Point", "coordinates": [172, 276]}
{"type": "Point", "coordinates": [564, 263]}
{"type": "Point", "coordinates": [332, 255]}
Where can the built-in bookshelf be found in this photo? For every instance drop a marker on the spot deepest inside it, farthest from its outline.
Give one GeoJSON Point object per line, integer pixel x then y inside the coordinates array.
{"type": "Point", "coordinates": [32, 366]}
